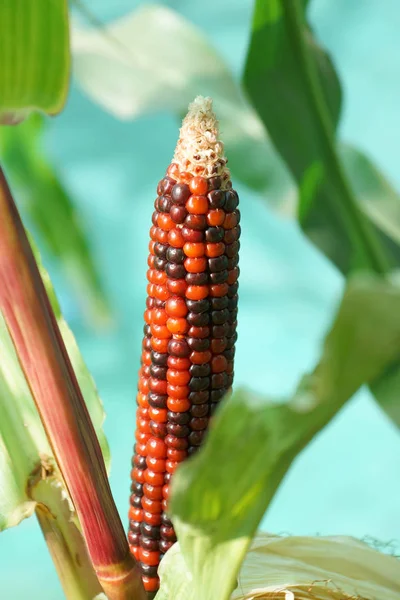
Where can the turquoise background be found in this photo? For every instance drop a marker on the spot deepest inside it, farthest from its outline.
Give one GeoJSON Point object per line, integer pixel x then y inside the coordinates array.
{"type": "Point", "coordinates": [347, 481]}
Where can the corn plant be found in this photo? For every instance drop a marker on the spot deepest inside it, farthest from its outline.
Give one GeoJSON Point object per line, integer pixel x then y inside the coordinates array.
{"type": "Point", "coordinates": [207, 460]}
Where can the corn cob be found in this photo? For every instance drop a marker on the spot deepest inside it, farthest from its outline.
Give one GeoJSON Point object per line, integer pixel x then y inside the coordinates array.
{"type": "Point", "coordinates": [190, 326]}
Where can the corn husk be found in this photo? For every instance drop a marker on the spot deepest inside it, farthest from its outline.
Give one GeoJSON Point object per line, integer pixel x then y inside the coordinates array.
{"type": "Point", "coordinates": [313, 568]}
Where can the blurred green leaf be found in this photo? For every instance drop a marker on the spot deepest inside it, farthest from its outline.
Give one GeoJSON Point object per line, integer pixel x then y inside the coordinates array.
{"type": "Point", "coordinates": [24, 448]}
{"type": "Point", "coordinates": [50, 209]}
{"type": "Point", "coordinates": [294, 88]}
{"type": "Point", "coordinates": [220, 495]}
{"type": "Point", "coordinates": [154, 60]}
{"type": "Point", "coordinates": [34, 57]}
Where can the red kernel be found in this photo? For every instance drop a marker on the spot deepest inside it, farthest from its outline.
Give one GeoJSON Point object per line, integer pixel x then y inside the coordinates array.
{"type": "Point", "coordinates": [176, 307]}
{"type": "Point", "coordinates": [153, 478]}
{"type": "Point", "coordinates": [194, 250]}
{"type": "Point", "coordinates": [177, 391]}
{"type": "Point", "coordinates": [200, 358]}
{"type": "Point", "coordinates": [149, 558]}
{"type": "Point", "coordinates": [177, 286]}
{"type": "Point", "coordinates": [159, 415]}
{"type": "Point", "coordinates": [150, 584]}
{"type": "Point", "coordinates": [152, 506]}
{"type": "Point", "coordinates": [176, 239]}
{"type": "Point", "coordinates": [219, 290]}
{"type": "Point", "coordinates": [218, 363]}
{"type": "Point", "coordinates": [215, 217]}
{"type": "Point", "coordinates": [214, 250]}
{"type": "Point", "coordinates": [156, 448]}
{"type": "Point", "coordinates": [197, 205]}
{"type": "Point", "coordinates": [165, 222]}
{"type": "Point", "coordinates": [175, 362]}
{"type": "Point", "coordinates": [198, 185]}
{"type": "Point", "coordinates": [195, 265]}
{"type": "Point", "coordinates": [178, 404]}
{"type": "Point", "coordinates": [197, 292]}
{"type": "Point", "coordinates": [178, 377]}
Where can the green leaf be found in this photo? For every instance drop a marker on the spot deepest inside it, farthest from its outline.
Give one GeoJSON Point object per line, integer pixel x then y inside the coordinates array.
{"type": "Point", "coordinates": [294, 88]}
{"type": "Point", "coordinates": [24, 448]}
{"type": "Point", "coordinates": [154, 60]}
{"type": "Point", "coordinates": [34, 57]}
{"type": "Point", "coordinates": [51, 211]}
{"type": "Point", "coordinates": [252, 442]}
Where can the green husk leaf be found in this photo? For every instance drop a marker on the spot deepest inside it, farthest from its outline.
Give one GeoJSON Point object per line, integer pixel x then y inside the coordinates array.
{"type": "Point", "coordinates": [253, 441]}
{"type": "Point", "coordinates": [23, 443]}
{"type": "Point", "coordinates": [34, 57]}
{"type": "Point", "coordinates": [45, 201]}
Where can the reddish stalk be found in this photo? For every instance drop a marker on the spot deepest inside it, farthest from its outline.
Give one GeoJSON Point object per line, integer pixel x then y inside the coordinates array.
{"type": "Point", "coordinates": [47, 368]}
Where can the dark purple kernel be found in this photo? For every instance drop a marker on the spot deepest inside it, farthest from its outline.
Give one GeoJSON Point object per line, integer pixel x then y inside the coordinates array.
{"type": "Point", "coordinates": [219, 277]}
{"type": "Point", "coordinates": [158, 429]}
{"type": "Point", "coordinates": [217, 395]}
{"type": "Point", "coordinates": [199, 410]}
{"type": "Point", "coordinates": [165, 546]}
{"type": "Point", "coordinates": [233, 262]}
{"type": "Point", "coordinates": [158, 303]}
{"type": "Point", "coordinates": [148, 570]}
{"type": "Point", "coordinates": [238, 215]}
{"type": "Point", "coordinates": [219, 316]}
{"type": "Point", "coordinates": [217, 199]}
{"type": "Point", "coordinates": [229, 353]}
{"type": "Point", "coordinates": [181, 418]}
{"type": "Point", "coordinates": [231, 330]}
{"type": "Point", "coordinates": [149, 302]}
{"type": "Point", "coordinates": [198, 423]}
{"type": "Point", "coordinates": [174, 442]}
{"type": "Point", "coordinates": [141, 462]}
{"type": "Point", "coordinates": [167, 185]}
{"type": "Point", "coordinates": [149, 544]}
{"type": "Point", "coordinates": [147, 330]}
{"type": "Point", "coordinates": [215, 234]}
{"type": "Point", "coordinates": [178, 214]}
{"type": "Point", "coordinates": [233, 315]}
{"type": "Point", "coordinates": [158, 372]}
{"type": "Point", "coordinates": [175, 271]}
{"type": "Point", "coordinates": [198, 319]}
{"type": "Point", "coordinates": [178, 348]}
{"type": "Point", "coordinates": [198, 306]}
{"type": "Point", "coordinates": [160, 249]}
{"type": "Point", "coordinates": [233, 302]}
{"type": "Point", "coordinates": [196, 438]}
{"type": "Point", "coordinates": [214, 183]}
{"type": "Point", "coordinates": [180, 193]}
{"type": "Point", "coordinates": [197, 278]}
{"type": "Point", "coordinates": [200, 370]}
{"type": "Point", "coordinates": [167, 479]}
{"type": "Point", "coordinates": [180, 431]}
{"type": "Point", "coordinates": [167, 533]}
{"type": "Point", "coordinates": [199, 397]}
{"type": "Point", "coordinates": [229, 379]}
{"type": "Point", "coordinates": [231, 341]}
{"type": "Point", "coordinates": [220, 331]}
{"type": "Point", "coordinates": [197, 384]}
{"type": "Point", "coordinates": [192, 235]}
{"type": "Point", "coordinates": [175, 255]}
{"type": "Point", "coordinates": [137, 488]}
{"type": "Point", "coordinates": [218, 381]}
{"type": "Point", "coordinates": [164, 204]}
{"type": "Point", "coordinates": [231, 235]}
{"type": "Point", "coordinates": [157, 400]}
{"type": "Point", "coordinates": [136, 501]}
{"type": "Point", "coordinates": [159, 358]}
{"type": "Point", "coordinates": [165, 520]}
{"type": "Point", "coordinates": [219, 263]}
{"type": "Point", "coordinates": [134, 526]}
{"type": "Point", "coordinates": [160, 263]}
{"type": "Point", "coordinates": [198, 344]}
{"type": "Point", "coordinates": [231, 200]}
{"type": "Point", "coordinates": [154, 218]}
{"type": "Point", "coordinates": [232, 249]}
{"type": "Point", "coordinates": [134, 538]}
{"type": "Point", "coordinates": [196, 222]}
{"type": "Point", "coordinates": [233, 290]}
{"type": "Point", "coordinates": [150, 531]}
{"type": "Point", "coordinates": [219, 303]}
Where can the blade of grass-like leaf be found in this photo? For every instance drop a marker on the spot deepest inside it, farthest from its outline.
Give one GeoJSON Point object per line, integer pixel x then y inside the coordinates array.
{"type": "Point", "coordinates": [220, 495]}
{"type": "Point", "coordinates": [295, 91]}
{"type": "Point", "coordinates": [34, 57]}
{"type": "Point", "coordinates": [58, 398]}
{"type": "Point", "coordinates": [52, 212]}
